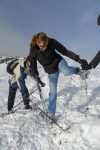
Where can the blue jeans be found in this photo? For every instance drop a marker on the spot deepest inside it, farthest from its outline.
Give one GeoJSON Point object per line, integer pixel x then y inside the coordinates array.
{"type": "Point", "coordinates": [64, 68]}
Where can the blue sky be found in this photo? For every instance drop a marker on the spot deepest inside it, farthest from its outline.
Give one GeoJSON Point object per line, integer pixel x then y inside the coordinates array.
{"type": "Point", "coordinates": [71, 22]}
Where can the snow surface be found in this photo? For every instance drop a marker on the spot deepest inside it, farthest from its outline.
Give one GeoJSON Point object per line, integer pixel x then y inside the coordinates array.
{"type": "Point", "coordinates": [26, 130]}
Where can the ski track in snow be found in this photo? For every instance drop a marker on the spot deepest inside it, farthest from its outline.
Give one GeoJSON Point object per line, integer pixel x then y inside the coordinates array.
{"type": "Point", "coordinates": [26, 130]}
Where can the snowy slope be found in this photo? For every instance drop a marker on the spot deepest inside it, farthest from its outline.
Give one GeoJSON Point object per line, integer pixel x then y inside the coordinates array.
{"type": "Point", "coordinates": [26, 130]}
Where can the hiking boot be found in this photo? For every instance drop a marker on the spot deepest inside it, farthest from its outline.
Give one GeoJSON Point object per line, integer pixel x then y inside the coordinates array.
{"type": "Point", "coordinates": [28, 107]}
{"type": "Point", "coordinates": [10, 111]}
{"type": "Point", "coordinates": [51, 115]}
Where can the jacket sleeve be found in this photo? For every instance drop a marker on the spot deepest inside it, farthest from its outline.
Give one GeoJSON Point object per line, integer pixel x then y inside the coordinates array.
{"type": "Point", "coordinates": [60, 48]}
{"type": "Point", "coordinates": [95, 61]}
{"type": "Point", "coordinates": [33, 59]}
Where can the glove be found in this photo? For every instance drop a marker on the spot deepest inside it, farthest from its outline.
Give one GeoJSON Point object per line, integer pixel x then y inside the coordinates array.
{"type": "Point", "coordinates": [35, 75]}
{"type": "Point", "coordinates": [40, 82]}
{"type": "Point", "coordinates": [83, 63]}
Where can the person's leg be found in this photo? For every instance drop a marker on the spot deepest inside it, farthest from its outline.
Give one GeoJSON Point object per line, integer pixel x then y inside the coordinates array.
{"type": "Point", "coordinates": [64, 68]}
{"type": "Point", "coordinates": [11, 97]}
{"type": "Point", "coordinates": [53, 79]}
{"type": "Point", "coordinates": [25, 97]}
{"type": "Point", "coordinates": [24, 91]}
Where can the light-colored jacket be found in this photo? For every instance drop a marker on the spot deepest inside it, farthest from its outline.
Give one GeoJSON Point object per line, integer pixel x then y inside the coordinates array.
{"type": "Point", "coordinates": [18, 71]}
{"type": "Point", "coordinates": [18, 79]}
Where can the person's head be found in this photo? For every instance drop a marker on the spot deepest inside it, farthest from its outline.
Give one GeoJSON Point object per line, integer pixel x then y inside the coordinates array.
{"type": "Point", "coordinates": [41, 40]}
{"type": "Point", "coordinates": [98, 20]}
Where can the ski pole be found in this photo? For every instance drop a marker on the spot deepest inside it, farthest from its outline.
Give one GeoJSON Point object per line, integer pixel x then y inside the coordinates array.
{"type": "Point", "coordinates": [38, 86]}
{"type": "Point", "coordinates": [52, 119]}
{"type": "Point", "coordinates": [22, 100]}
{"type": "Point", "coordinates": [87, 107]}
{"type": "Point", "coordinates": [40, 92]}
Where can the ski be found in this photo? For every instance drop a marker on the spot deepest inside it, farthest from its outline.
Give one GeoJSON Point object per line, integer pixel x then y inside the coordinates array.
{"type": "Point", "coordinates": [52, 120]}
{"type": "Point", "coordinates": [35, 108]}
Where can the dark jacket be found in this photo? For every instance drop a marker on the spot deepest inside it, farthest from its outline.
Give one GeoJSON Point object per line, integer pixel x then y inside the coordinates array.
{"type": "Point", "coordinates": [50, 58]}
{"type": "Point", "coordinates": [95, 61]}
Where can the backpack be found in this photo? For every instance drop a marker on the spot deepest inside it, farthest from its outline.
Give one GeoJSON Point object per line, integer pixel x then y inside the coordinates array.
{"type": "Point", "coordinates": [12, 65]}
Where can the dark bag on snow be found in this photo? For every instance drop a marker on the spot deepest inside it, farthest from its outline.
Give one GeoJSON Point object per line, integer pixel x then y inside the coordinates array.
{"type": "Point", "coordinates": [11, 66]}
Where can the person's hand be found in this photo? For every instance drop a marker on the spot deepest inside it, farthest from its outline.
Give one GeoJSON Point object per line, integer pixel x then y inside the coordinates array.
{"type": "Point", "coordinates": [84, 64]}
{"type": "Point", "coordinates": [41, 83]}
{"type": "Point", "coordinates": [90, 66]}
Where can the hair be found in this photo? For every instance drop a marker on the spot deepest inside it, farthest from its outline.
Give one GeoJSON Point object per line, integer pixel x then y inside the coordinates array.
{"type": "Point", "coordinates": [33, 41]}
{"type": "Point", "coordinates": [38, 38]}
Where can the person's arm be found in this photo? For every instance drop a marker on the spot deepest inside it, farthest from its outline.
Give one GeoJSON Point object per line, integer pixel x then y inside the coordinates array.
{"type": "Point", "coordinates": [60, 48]}
{"type": "Point", "coordinates": [64, 51]}
{"type": "Point", "coordinates": [95, 61]}
{"type": "Point", "coordinates": [36, 77]}
{"type": "Point", "coordinates": [33, 66]}
{"type": "Point", "coordinates": [33, 59]}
